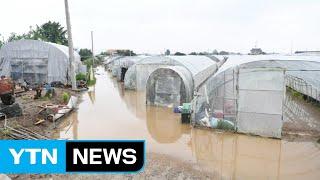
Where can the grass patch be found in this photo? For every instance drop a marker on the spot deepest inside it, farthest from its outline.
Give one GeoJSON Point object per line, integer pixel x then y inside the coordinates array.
{"type": "Point", "coordinates": [5, 132]}
{"type": "Point", "coordinates": [81, 76]}
{"type": "Point", "coordinates": [92, 82]}
{"type": "Point", "coordinates": [295, 93]}
{"type": "Point", "coordinates": [303, 97]}
{"type": "Point", "coordinates": [65, 97]}
{"type": "Point", "coordinates": [44, 98]}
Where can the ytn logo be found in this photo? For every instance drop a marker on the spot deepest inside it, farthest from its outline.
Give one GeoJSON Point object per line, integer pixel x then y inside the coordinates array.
{"type": "Point", "coordinates": [58, 156]}
{"type": "Point", "coordinates": [104, 156]}
{"type": "Point", "coordinates": [32, 153]}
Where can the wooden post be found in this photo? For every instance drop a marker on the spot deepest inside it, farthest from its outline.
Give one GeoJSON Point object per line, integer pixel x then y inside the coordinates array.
{"type": "Point", "coordinates": [71, 51]}
{"type": "Point", "coordinates": [92, 49]}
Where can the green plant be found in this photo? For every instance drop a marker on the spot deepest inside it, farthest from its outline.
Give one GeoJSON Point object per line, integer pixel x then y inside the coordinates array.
{"type": "Point", "coordinates": [294, 93]}
{"type": "Point", "coordinates": [6, 132]}
{"type": "Point", "coordinates": [85, 54]}
{"type": "Point", "coordinates": [81, 76]}
{"type": "Point", "coordinates": [45, 98]}
{"type": "Point", "coordinates": [92, 82]}
{"type": "Point", "coordinates": [65, 97]}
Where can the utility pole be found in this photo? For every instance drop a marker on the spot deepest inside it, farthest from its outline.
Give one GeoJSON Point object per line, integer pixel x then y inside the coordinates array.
{"type": "Point", "coordinates": [92, 48]}
{"type": "Point", "coordinates": [70, 43]}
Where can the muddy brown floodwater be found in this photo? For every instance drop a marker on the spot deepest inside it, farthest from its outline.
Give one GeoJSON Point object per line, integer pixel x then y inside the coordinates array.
{"type": "Point", "coordinates": [109, 112]}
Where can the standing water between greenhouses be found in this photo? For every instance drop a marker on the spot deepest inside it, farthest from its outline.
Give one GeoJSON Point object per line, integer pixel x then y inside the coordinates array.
{"type": "Point", "coordinates": [107, 111]}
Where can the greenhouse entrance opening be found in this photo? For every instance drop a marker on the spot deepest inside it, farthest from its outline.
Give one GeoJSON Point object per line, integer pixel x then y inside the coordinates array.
{"type": "Point", "coordinates": [165, 88]}
{"type": "Point", "coordinates": [123, 73]}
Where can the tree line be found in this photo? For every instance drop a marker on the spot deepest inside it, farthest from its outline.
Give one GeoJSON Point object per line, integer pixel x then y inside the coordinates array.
{"type": "Point", "coordinates": [49, 32]}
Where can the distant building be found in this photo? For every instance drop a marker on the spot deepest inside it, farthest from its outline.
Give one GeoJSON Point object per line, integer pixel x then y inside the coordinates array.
{"type": "Point", "coordinates": [256, 51]}
{"type": "Point", "coordinates": [120, 52]}
{"type": "Point", "coordinates": [112, 51]}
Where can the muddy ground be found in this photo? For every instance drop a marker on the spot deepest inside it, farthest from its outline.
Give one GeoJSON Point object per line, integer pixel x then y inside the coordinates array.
{"type": "Point", "coordinates": [30, 108]}
{"type": "Point", "coordinates": [158, 167]}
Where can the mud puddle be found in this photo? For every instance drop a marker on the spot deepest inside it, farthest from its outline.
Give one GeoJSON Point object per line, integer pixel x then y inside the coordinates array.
{"type": "Point", "coordinates": [109, 112]}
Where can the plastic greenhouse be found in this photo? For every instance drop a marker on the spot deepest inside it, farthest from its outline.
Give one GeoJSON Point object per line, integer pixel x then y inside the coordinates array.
{"type": "Point", "coordinates": [138, 74]}
{"type": "Point", "coordinates": [110, 61]}
{"type": "Point", "coordinates": [37, 61]}
{"type": "Point", "coordinates": [170, 80]}
{"type": "Point", "coordinates": [247, 93]}
{"type": "Point", "coordinates": [121, 65]}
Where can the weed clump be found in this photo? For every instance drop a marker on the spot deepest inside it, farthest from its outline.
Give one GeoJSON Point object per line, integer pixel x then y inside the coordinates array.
{"type": "Point", "coordinates": [65, 97]}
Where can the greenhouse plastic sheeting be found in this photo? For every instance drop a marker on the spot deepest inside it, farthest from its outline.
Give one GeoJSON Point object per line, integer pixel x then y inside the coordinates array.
{"type": "Point", "coordinates": [258, 100]}
{"type": "Point", "coordinates": [37, 61]}
{"type": "Point", "coordinates": [261, 93]}
{"type": "Point", "coordinates": [200, 68]}
{"type": "Point", "coordinates": [110, 61]}
{"type": "Point", "coordinates": [169, 86]}
{"type": "Point", "coordinates": [124, 62]}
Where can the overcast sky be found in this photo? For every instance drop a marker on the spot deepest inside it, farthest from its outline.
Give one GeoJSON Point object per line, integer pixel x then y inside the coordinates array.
{"type": "Point", "coordinates": [179, 25]}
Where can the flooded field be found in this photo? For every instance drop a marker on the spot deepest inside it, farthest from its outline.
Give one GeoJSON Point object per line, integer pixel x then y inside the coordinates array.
{"type": "Point", "coordinates": [109, 112]}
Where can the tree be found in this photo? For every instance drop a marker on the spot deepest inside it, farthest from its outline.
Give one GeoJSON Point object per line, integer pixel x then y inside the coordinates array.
{"type": "Point", "coordinates": [215, 52]}
{"type": "Point", "coordinates": [104, 53]}
{"type": "Point", "coordinates": [179, 54]}
{"type": "Point", "coordinates": [14, 37]}
{"type": "Point", "coordinates": [193, 53]}
{"type": "Point", "coordinates": [224, 53]}
{"type": "Point", "coordinates": [51, 32]}
{"type": "Point", "coordinates": [125, 52]}
{"type": "Point", "coordinates": [203, 53]}
{"type": "Point", "coordinates": [85, 54]}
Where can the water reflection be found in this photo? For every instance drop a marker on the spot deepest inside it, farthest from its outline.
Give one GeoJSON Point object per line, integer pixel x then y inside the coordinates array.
{"type": "Point", "coordinates": [233, 155]}
{"type": "Point", "coordinates": [92, 94]}
{"type": "Point", "coordinates": [163, 125]}
{"type": "Point", "coordinates": [119, 114]}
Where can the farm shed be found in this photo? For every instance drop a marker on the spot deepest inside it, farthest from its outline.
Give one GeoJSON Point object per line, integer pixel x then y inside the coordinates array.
{"type": "Point", "coordinates": [248, 92]}
{"type": "Point", "coordinates": [37, 61]}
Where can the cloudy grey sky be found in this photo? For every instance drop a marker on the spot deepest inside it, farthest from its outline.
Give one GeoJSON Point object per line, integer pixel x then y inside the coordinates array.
{"type": "Point", "coordinates": [179, 25]}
